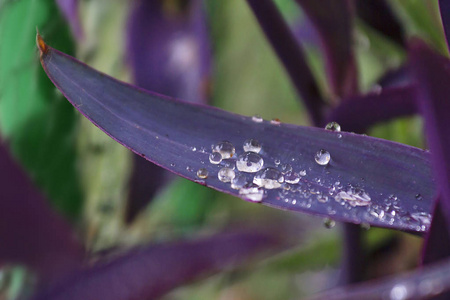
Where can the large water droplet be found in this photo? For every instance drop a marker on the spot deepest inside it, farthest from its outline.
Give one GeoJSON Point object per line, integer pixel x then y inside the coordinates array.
{"type": "Point", "coordinates": [257, 119]}
{"type": "Point", "coordinates": [333, 126]}
{"type": "Point", "coordinates": [202, 173]}
{"type": "Point", "coordinates": [226, 149]}
{"type": "Point", "coordinates": [354, 197]}
{"type": "Point", "coordinates": [291, 177]}
{"type": "Point", "coordinates": [249, 162]}
{"type": "Point", "coordinates": [215, 158]}
{"type": "Point", "coordinates": [252, 192]}
{"type": "Point", "coordinates": [322, 157]}
{"type": "Point", "coordinates": [252, 145]}
{"type": "Point", "coordinates": [226, 174]}
{"type": "Point", "coordinates": [239, 182]}
{"type": "Point", "coordinates": [269, 178]}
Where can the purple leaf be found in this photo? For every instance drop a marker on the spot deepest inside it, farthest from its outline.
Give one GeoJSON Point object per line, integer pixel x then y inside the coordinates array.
{"type": "Point", "coordinates": [30, 232]}
{"type": "Point", "coordinates": [366, 180]}
{"type": "Point", "coordinates": [153, 271]}
{"type": "Point", "coordinates": [168, 48]}
{"type": "Point", "coordinates": [378, 15]}
{"type": "Point", "coordinates": [70, 10]}
{"type": "Point", "coordinates": [291, 55]}
{"type": "Point", "coordinates": [398, 77]}
{"type": "Point", "coordinates": [444, 7]}
{"type": "Point", "coordinates": [169, 53]}
{"type": "Point", "coordinates": [432, 76]}
{"type": "Point", "coordinates": [358, 113]}
{"type": "Point", "coordinates": [437, 242]}
{"type": "Point", "coordinates": [430, 282]}
{"type": "Point", "coordinates": [334, 22]}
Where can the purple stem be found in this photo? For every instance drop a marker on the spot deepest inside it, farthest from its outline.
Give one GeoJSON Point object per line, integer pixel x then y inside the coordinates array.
{"type": "Point", "coordinates": [291, 55]}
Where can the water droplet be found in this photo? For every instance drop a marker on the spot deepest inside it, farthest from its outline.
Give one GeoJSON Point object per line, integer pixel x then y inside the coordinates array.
{"type": "Point", "coordinates": [322, 157]}
{"type": "Point", "coordinates": [215, 158]}
{"type": "Point", "coordinates": [270, 178]}
{"type": "Point", "coordinates": [238, 182]}
{"type": "Point", "coordinates": [322, 198]}
{"type": "Point", "coordinates": [277, 162]}
{"type": "Point", "coordinates": [302, 173]}
{"type": "Point", "coordinates": [286, 168]}
{"type": "Point", "coordinates": [249, 162]}
{"type": "Point", "coordinates": [193, 149]}
{"type": "Point", "coordinates": [172, 165]}
{"type": "Point", "coordinates": [252, 192]}
{"type": "Point", "coordinates": [328, 223]}
{"type": "Point", "coordinates": [354, 197]}
{"type": "Point", "coordinates": [398, 292]}
{"type": "Point", "coordinates": [422, 217]}
{"type": "Point", "coordinates": [333, 126]}
{"type": "Point", "coordinates": [419, 197]}
{"type": "Point", "coordinates": [226, 174]}
{"type": "Point", "coordinates": [226, 149]}
{"type": "Point", "coordinates": [291, 177]}
{"type": "Point", "coordinates": [202, 173]}
{"type": "Point", "coordinates": [275, 121]}
{"type": "Point", "coordinates": [339, 135]}
{"type": "Point", "coordinates": [257, 119]}
{"type": "Point", "coordinates": [252, 145]}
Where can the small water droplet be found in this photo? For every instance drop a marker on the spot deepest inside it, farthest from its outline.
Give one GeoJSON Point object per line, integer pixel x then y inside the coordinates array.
{"type": "Point", "coordinates": [322, 157]}
{"type": "Point", "coordinates": [257, 119]}
{"type": "Point", "coordinates": [328, 223]}
{"type": "Point", "coordinates": [354, 197]}
{"type": "Point", "coordinates": [333, 126]}
{"type": "Point", "coordinates": [193, 149]}
{"type": "Point", "coordinates": [286, 168]}
{"type": "Point", "coordinates": [215, 158]}
{"type": "Point", "coordinates": [277, 162]}
{"type": "Point", "coordinates": [226, 174]}
{"type": "Point", "coordinates": [249, 162]}
{"type": "Point", "coordinates": [339, 135]}
{"type": "Point", "coordinates": [302, 173]}
{"type": "Point", "coordinates": [238, 182]}
{"type": "Point", "coordinates": [270, 178]}
{"type": "Point", "coordinates": [291, 177]}
{"type": "Point", "coordinates": [419, 197]}
{"type": "Point", "coordinates": [172, 165]}
{"type": "Point", "coordinates": [252, 192]}
{"type": "Point", "coordinates": [398, 292]}
{"type": "Point", "coordinates": [252, 145]}
{"type": "Point", "coordinates": [275, 121]}
{"type": "Point", "coordinates": [226, 149]}
{"type": "Point", "coordinates": [322, 198]}
{"type": "Point", "coordinates": [202, 173]}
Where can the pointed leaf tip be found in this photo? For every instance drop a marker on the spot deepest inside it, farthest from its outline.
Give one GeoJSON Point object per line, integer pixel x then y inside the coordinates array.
{"type": "Point", "coordinates": [42, 46]}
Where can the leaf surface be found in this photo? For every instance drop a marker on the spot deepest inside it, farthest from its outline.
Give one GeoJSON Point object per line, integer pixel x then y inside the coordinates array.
{"type": "Point", "coordinates": [367, 179]}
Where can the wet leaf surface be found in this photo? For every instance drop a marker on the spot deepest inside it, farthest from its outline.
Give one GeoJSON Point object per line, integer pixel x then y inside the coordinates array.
{"type": "Point", "coordinates": [356, 179]}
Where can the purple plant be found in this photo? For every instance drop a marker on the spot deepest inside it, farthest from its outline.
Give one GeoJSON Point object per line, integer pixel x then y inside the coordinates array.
{"type": "Point", "coordinates": [323, 171]}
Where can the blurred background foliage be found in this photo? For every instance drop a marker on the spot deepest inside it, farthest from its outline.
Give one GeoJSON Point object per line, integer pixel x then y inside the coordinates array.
{"type": "Point", "coordinates": [86, 174]}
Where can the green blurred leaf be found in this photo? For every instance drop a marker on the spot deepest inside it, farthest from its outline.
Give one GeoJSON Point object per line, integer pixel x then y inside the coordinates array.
{"type": "Point", "coordinates": [33, 116]}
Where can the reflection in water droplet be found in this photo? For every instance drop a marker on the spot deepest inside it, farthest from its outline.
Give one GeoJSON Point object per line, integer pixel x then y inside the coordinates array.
{"type": "Point", "coordinates": [226, 149]}
{"type": "Point", "coordinates": [252, 145]}
{"type": "Point", "coordinates": [257, 119]}
{"type": "Point", "coordinates": [215, 158]}
{"type": "Point", "coordinates": [202, 173]}
{"type": "Point", "coordinates": [226, 174]}
{"type": "Point", "coordinates": [252, 192]}
{"type": "Point", "coordinates": [269, 178]}
{"type": "Point", "coordinates": [249, 162]}
{"type": "Point", "coordinates": [322, 157]}
{"type": "Point", "coordinates": [333, 126]}
{"type": "Point", "coordinates": [275, 121]}
{"type": "Point", "coordinates": [328, 223]}
{"type": "Point", "coordinates": [354, 197]}
{"type": "Point", "coordinates": [238, 182]}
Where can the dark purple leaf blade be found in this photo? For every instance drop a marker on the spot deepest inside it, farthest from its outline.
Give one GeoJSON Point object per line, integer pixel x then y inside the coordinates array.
{"type": "Point", "coordinates": [153, 271]}
{"type": "Point", "coordinates": [178, 136]}
{"type": "Point", "coordinates": [378, 15]}
{"type": "Point", "coordinates": [333, 20]}
{"type": "Point", "coordinates": [30, 232]}
{"type": "Point", "coordinates": [430, 282]}
{"type": "Point", "coordinates": [358, 113]}
{"type": "Point", "coordinates": [432, 76]}
{"type": "Point", "coordinates": [437, 241]}
{"type": "Point", "coordinates": [70, 10]}
{"type": "Point", "coordinates": [444, 7]}
{"type": "Point", "coordinates": [291, 55]}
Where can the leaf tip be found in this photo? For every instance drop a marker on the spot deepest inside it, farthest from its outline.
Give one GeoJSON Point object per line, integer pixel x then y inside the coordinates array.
{"type": "Point", "coordinates": [42, 46]}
